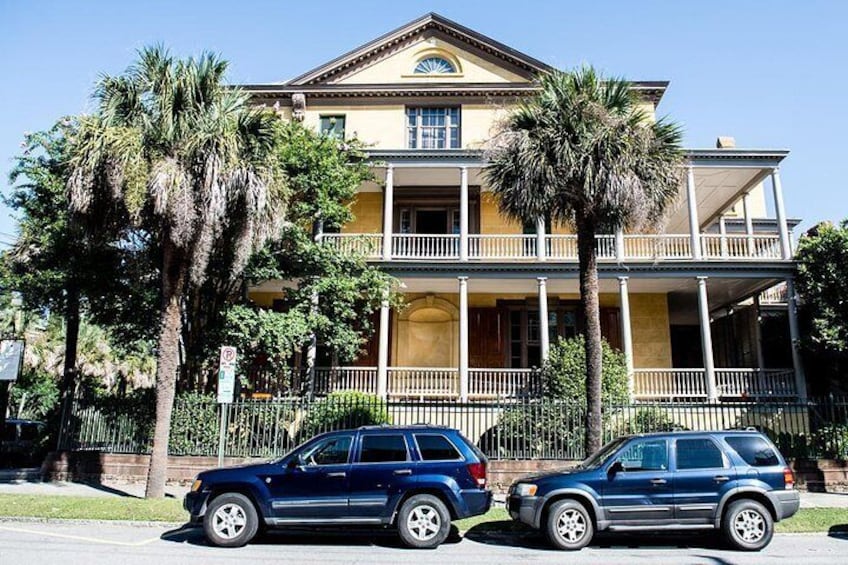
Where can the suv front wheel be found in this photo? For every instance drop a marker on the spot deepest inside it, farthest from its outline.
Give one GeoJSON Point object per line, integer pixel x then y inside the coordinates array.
{"type": "Point", "coordinates": [230, 520]}
{"type": "Point", "coordinates": [569, 525]}
{"type": "Point", "coordinates": [747, 525]}
{"type": "Point", "coordinates": [423, 522]}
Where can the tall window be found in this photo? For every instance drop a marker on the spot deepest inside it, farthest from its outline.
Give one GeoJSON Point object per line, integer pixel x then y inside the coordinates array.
{"type": "Point", "coordinates": [333, 126]}
{"type": "Point", "coordinates": [432, 128]}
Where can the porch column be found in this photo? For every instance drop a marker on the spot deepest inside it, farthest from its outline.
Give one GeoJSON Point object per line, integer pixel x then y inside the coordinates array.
{"type": "Point", "coordinates": [795, 336]}
{"type": "Point", "coordinates": [540, 239]}
{"type": "Point", "coordinates": [706, 339]}
{"type": "Point", "coordinates": [312, 350]}
{"type": "Point", "coordinates": [785, 248]}
{"type": "Point", "coordinates": [383, 351]}
{"type": "Point", "coordinates": [463, 214]}
{"type": "Point", "coordinates": [758, 335]}
{"type": "Point", "coordinates": [749, 224]}
{"type": "Point", "coordinates": [619, 246]}
{"type": "Point", "coordinates": [722, 230]}
{"type": "Point", "coordinates": [388, 212]}
{"type": "Point", "coordinates": [694, 224]}
{"type": "Point", "coordinates": [544, 336]}
{"type": "Point", "coordinates": [626, 333]}
{"type": "Point", "coordinates": [463, 339]}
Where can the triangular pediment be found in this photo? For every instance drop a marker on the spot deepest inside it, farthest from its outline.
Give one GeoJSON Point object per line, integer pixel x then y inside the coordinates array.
{"type": "Point", "coordinates": [392, 58]}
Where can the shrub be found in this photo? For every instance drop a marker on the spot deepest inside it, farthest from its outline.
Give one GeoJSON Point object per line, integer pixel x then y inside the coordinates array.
{"type": "Point", "coordinates": [345, 409]}
{"type": "Point", "coordinates": [564, 373]}
{"type": "Point", "coordinates": [831, 442]}
{"type": "Point", "coordinates": [194, 425]}
{"type": "Point", "coordinates": [547, 429]}
{"type": "Point", "coordinates": [645, 420]}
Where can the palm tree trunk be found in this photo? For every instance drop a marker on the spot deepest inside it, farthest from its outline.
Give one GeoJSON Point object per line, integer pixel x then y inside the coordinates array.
{"type": "Point", "coordinates": [588, 265]}
{"type": "Point", "coordinates": [69, 368]}
{"type": "Point", "coordinates": [167, 362]}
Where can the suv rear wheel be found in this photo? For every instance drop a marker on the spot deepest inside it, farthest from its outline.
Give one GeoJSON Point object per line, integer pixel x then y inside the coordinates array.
{"type": "Point", "coordinates": [747, 525]}
{"type": "Point", "coordinates": [423, 522]}
{"type": "Point", "coordinates": [230, 520]}
{"type": "Point", "coordinates": [569, 525]}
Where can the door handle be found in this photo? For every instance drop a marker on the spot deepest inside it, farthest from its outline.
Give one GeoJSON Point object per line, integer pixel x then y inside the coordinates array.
{"type": "Point", "coordinates": [338, 475]}
{"type": "Point", "coordinates": [721, 478]}
{"type": "Point", "coordinates": [403, 472]}
{"type": "Point", "coordinates": [658, 481]}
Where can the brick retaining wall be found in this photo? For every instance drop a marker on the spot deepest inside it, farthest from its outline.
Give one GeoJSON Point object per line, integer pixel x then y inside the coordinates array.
{"type": "Point", "coordinates": [89, 466]}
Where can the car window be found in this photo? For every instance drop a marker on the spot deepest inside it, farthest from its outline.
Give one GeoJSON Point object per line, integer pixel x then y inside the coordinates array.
{"type": "Point", "coordinates": [331, 451]}
{"type": "Point", "coordinates": [10, 432]}
{"type": "Point", "coordinates": [383, 448]}
{"type": "Point", "coordinates": [754, 450]}
{"type": "Point", "coordinates": [434, 447]}
{"type": "Point", "coordinates": [29, 432]}
{"type": "Point", "coordinates": [698, 453]}
{"type": "Point", "coordinates": [645, 455]}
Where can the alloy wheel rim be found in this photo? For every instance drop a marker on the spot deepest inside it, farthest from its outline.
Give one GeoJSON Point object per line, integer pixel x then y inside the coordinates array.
{"type": "Point", "coordinates": [229, 521]}
{"type": "Point", "coordinates": [423, 522]}
{"type": "Point", "coordinates": [750, 526]}
{"type": "Point", "coordinates": [571, 525]}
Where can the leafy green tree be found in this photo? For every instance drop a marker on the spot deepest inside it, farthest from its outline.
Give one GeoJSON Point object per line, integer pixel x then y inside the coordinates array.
{"type": "Point", "coordinates": [822, 285]}
{"type": "Point", "coordinates": [192, 164]}
{"type": "Point", "coordinates": [582, 153]}
{"type": "Point", "coordinates": [563, 373]}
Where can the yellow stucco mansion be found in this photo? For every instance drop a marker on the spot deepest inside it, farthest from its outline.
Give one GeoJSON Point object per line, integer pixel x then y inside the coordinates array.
{"type": "Point", "coordinates": [699, 309]}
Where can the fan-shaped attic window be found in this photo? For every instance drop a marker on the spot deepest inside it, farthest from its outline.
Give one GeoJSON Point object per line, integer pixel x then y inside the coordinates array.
{"type": "Point", "coordinates": [434, 66]}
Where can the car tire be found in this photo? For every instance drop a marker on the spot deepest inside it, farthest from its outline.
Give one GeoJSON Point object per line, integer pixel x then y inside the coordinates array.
{"type": "Point", "coordinates": [747, 525]}
{"type": "Point", "coordinates": [569, 525]}
{"type": "Point", "coordinates": [231, 520]}
{"type": "Point", "coordinates": [423, 522]}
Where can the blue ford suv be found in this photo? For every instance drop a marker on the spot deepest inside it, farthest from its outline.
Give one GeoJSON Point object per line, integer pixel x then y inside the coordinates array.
{"type": "Point", "coordinates": [733, 481]}
{"type": "Point", "coordinates": [415, 478]}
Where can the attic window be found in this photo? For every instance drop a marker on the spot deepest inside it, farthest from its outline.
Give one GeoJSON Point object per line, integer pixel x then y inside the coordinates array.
{"type": "Point", "coordinates": [434, 66]}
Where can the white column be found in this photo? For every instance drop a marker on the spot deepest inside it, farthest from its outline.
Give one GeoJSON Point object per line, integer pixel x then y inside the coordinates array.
{"type": "Point", "coordinates": [540, 239]}
{"type": "Point", "coordinates": [758, 335]}
{"type": "Point", "coordinates": [463, 339]}
{"type": "Point", "coordinates": [694, 224]}
{"type": "Point", "coordinates": [383, 352]}
{"type": "Point", "coordinates": [785, 248]}
{"type": "Point", "coordinates": [749, 224]}
{"type": "Point", "coordinates": [619, 246]}
{"type": "Point", "coordinates": [706, 338]}
{"type": "Point", "coordinates": [463, 214]}
{"type": "Point", "coordinates": [388, 212]}
{"type": "Point", "coordinates": [795, 336]}
{"type": "Point", "coordinates": [626, 332]}
{"type": "Point", "coordinates": [722, 230]}
{"type": "Point", "coordinates": [544, 334]}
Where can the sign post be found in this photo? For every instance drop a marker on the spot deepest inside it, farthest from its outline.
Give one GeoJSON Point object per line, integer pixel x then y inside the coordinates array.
{"type": "Point", "coordinates": [226, 391]}
{"type": "Point", "coordinates": [11, 360]}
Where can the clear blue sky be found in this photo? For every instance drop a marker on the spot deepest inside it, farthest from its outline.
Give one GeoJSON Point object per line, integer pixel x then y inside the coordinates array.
{"type": "Point", "coordinates": [771, 73]}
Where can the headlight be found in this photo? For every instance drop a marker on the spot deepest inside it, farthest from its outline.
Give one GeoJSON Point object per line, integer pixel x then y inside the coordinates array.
{"type": "Point", "coordinates": [525, 489]}
{"type": "Point", "coordinates": [195, 486]}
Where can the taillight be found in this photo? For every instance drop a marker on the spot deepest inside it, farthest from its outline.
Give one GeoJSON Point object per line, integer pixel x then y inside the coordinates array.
{"type": "Point", "coordinates": [788, 478]}
{"type": "Point", "coordinates": [478, 473]}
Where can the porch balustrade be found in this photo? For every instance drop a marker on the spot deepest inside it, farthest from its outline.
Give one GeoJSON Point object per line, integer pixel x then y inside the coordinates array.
{"type": "Point", "coordinates": [731, 384]}
{"type": "Point", "coordinates": [520, 247]}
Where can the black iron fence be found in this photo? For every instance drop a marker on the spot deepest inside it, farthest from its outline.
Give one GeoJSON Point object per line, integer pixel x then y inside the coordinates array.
{"type": "Point", "coordinates": [523, 429]}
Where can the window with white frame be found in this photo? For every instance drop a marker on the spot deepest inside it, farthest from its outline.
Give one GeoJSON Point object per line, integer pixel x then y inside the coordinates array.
{"type": "Point", "coordinates": [432, 128]}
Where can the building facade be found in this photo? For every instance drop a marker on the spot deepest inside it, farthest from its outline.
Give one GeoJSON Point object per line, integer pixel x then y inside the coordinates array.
{"type": "Point", "coordinates": [485, 296]}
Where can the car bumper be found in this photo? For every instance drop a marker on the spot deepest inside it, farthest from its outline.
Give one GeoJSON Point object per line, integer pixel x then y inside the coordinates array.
{"type": "Point", "coordinates": [195, 504]}
{"type": "Point", "coordinates": [476, 502]}
{"type": "Point", "coordinates": [524, 509]}
{"type": "Point", "coordinates": [785, 502]}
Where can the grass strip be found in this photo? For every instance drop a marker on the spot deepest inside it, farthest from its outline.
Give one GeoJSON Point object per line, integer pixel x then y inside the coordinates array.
{"type": "Point", "coordinates": [91, 508]}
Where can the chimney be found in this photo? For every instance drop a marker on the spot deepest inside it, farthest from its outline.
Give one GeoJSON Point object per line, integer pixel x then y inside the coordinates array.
{"type": "Point", "coordinates": [725, 142]}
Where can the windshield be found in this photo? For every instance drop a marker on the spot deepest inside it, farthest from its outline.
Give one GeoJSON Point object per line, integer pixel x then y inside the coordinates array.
{"type": "Point", "coordinates": [603, 454]}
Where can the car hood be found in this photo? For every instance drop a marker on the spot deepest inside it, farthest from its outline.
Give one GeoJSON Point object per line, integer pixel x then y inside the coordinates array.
{"type": "Point", "coordinates": [241, 471]}
{"type": "Point", "coordinates": [536, 477]}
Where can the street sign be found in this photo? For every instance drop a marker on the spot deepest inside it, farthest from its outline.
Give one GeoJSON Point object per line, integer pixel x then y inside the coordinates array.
{"type": "Point", "coordinates": [11, 358]}
{"type": "Point", "coordinates": [227, 374]}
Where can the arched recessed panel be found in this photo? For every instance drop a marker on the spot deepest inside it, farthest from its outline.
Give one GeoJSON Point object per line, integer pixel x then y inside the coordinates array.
{"type": "Point", "coordinates": [434, 66]}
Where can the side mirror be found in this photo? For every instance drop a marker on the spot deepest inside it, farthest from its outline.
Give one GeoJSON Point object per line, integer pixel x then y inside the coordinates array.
{"type": "Point", "coordinates": [293, 463]}
{"type": "Point", "coordinates": [615, 468]}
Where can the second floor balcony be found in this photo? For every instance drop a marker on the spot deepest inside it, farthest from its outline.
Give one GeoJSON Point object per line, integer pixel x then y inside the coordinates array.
{"type": "Point", "coordinates": [563, 248]}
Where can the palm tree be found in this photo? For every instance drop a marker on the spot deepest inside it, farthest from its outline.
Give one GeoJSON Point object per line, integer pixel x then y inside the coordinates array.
{"type": "Point", "coordinates": [582, 153]}
{"type": "Point", "coordinates": [184, 158]}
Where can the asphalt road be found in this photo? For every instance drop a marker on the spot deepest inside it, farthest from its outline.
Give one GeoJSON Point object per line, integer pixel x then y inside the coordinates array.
{"type": "Point", "coordinates": [24, 543]}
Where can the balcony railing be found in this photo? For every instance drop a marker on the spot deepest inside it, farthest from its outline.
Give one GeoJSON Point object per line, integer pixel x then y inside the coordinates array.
{"type": "Point", "coordinates": [442, 383]}
{"type": "Point", "coordinates": [520, 247]}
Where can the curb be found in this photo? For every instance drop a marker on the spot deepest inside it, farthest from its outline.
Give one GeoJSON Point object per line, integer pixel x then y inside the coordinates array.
{"type": "Point", "coordinates": [86, 522]}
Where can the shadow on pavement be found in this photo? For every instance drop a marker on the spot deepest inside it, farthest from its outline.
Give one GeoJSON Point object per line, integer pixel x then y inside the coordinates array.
{"type": "Point", "coordinates": [838, 531]}
{"type": "Point", "coordinates": [508, 533]}
{"type": "Point", "coordinates": [193, 535]}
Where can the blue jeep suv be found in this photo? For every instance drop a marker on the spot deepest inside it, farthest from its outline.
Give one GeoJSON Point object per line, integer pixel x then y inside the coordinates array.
{"type": "Point", "coordinates": [415, 478]}
{"type": "Point", "coordinates": [733, 481]}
